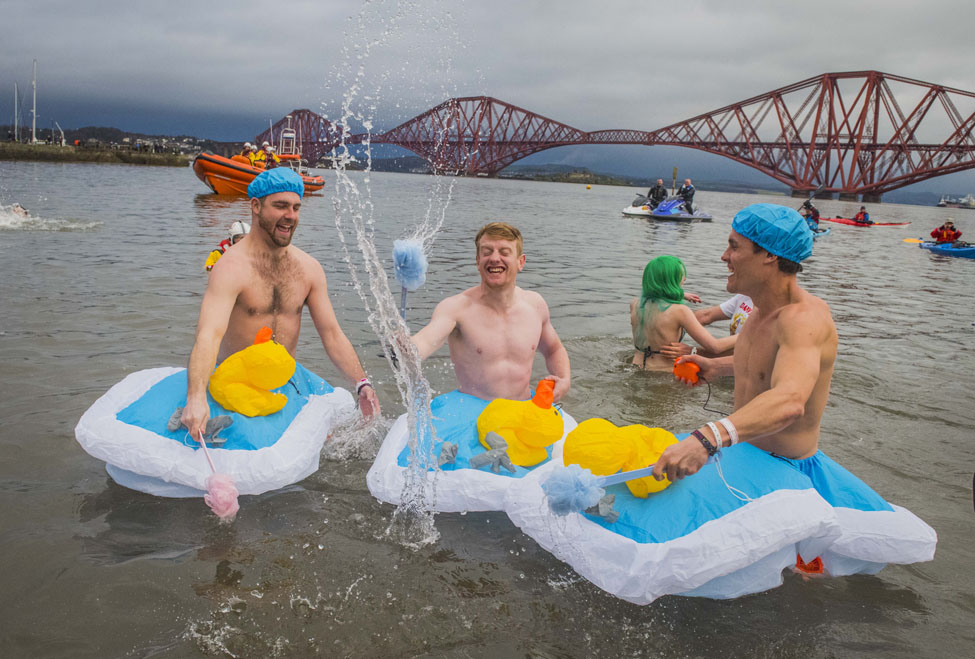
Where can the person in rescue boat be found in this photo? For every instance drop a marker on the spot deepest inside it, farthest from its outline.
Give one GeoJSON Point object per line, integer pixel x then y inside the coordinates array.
{"type": "Point", "coordinates": [237, 231]}
{"type": "Point", "coordinates": [248, 152]}
{"type": "Point", "coordinates": [946, 233]}
{"type": "Point", "coordinates": [260, 156]}
{"type": "Point", "coordinates": [271, 159]}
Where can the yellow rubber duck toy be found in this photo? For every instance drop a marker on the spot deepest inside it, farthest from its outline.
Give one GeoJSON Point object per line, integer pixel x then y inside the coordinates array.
{"type": "Point", "coordinates": [242, 383]}
{"type": "Point", "coordinates": [527, 425]}
{"type": "Point", "coordinates": [605, 449]}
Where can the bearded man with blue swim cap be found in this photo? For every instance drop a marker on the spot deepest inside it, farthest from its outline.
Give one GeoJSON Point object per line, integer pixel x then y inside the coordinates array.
{"type": "Point", "coordinates": [265, 281]}
{"type": "Point", "coordinates": [784, 356]}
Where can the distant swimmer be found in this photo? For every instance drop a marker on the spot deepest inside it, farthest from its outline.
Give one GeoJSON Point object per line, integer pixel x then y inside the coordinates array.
{"type": "Point", "coordinates": [237, 231]}
{"type": "Point", "coordinates": [659, 317]}
{"type": "Point", "coordinates": [946, 233]}
{"type": "Point", "coordinates": [494, 329]}
{"type": "Point", "coordinates": [17, 209]}
{"type": "Point", "coordinates": [686, 192]}
{"type": "Point", "coordinates": [657, 193]}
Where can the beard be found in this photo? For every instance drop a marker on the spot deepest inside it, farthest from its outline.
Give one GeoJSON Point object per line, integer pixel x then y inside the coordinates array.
{"type": "Point", "coordinates": [268, 227]}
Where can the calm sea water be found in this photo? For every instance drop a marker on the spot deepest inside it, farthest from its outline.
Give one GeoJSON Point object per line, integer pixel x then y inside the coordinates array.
{"type": "Point", "coordinates": [107, 279]}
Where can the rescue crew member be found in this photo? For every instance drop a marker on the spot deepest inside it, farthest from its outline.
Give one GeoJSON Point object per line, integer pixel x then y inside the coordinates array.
{"type": "Point", "coordinates": [272, 158]}
{"type": "Point", "coordinates": [248, 152]}
{"type": "Point", "coordinates": [260, 156]}
{"type": "Point", "coordinates": [237, 231]}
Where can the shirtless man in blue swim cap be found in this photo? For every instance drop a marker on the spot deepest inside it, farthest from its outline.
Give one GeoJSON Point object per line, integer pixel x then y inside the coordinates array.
{"type": "Point", "coordinates": [783, 360]}
{"type": "Point", "coordinates": [266, 281]}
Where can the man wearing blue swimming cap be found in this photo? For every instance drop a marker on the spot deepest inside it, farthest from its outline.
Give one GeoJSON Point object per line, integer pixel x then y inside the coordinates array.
{"type": "Point", "coordinates": [265, 281]}
{"type": "Point", "coordinates": [783, 360]}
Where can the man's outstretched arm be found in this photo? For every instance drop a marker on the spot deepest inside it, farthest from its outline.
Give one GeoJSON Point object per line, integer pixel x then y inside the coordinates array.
{"type": "Point", "coordinates": [337, 345]}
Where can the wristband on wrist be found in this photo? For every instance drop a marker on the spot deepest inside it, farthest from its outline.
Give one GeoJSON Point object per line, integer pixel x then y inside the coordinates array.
{"type": "Point", "coordinates": [732, 431]}
{"type": "Point", "coordinates": [694, 350]}
{"type": "Point", "coordinates": [364, 382]}
{"type": "Point", "coordinates": [718, 442]}
{"type": "Point", "coordinates": [708, 446]}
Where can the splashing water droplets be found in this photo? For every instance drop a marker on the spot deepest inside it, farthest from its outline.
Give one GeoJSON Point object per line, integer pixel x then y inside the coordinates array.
{"type": "Point", "coordinates": [413, 522]}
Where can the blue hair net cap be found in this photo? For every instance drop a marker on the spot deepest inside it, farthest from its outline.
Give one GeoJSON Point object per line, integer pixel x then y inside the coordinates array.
{"type": "Point", "coordinates": [776, 229]}
{"type": "Point", "coordinates": [279, 179]}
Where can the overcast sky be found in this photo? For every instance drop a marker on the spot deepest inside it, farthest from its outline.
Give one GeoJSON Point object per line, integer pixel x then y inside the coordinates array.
{"type": "Point", "coordinates": [223, 69]}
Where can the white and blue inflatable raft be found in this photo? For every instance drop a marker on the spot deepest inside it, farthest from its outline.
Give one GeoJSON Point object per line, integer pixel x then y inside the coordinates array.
{"type": "Point", "coordinates": [699, 538]}
{"type": "Point", "coordinates": [458, 487]}
{"type": "Point", "coordinates": [126, 428]}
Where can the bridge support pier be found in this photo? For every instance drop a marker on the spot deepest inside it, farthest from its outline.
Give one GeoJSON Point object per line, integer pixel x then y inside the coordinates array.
{"type": "Point", "coordinates": [871, 198]}
{"type": "Point", "coordinates": [846, 196]}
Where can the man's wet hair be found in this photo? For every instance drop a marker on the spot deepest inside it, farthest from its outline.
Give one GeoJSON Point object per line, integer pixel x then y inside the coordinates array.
{"type": "Point", "coordinates": [785, 265]}
{"type": "Point", "coordinates": [501, 230]}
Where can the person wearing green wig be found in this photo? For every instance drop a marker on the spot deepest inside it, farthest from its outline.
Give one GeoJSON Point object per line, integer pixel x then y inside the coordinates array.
{"type": "Point", "coordinates": [659, 316]}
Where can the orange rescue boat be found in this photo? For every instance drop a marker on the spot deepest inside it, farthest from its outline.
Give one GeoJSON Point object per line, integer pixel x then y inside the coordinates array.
{"type": "Point", "coordinates": [231, 176]}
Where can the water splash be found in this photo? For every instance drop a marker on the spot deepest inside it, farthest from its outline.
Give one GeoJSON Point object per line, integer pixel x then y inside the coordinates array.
{"type": "Point", "coordinates": [377, 27]}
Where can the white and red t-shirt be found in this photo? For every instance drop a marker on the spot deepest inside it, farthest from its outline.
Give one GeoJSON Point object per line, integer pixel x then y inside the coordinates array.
{"type": "Point", "coordinates": [737, 309]}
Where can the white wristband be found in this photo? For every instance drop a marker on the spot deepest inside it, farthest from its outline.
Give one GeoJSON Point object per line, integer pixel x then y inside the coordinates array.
{"type": "Point", "coordinates": [364, 382]}
{"type": "Point", "coordinates": [717, 435]}
{"type": "Point", "coordinates": [730, 427]}
{"type": "Point", "coordinates": [694, 350]}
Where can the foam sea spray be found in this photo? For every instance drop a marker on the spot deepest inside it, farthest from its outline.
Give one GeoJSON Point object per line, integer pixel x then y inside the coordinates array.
{"type": "Point", "coordinates": [375, 27]}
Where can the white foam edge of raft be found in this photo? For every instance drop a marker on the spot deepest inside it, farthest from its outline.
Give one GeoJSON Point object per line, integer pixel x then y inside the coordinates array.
{"type": "Point", "coordinates": [292, 458]}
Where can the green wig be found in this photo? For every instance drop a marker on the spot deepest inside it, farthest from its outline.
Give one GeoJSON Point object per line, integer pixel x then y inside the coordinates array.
{"type": "Point", "coordinates": [662, 280]}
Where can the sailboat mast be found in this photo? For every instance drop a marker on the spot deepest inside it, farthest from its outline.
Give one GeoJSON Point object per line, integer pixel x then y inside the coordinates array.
{"type": "Point", "coordinates": [16, 112]}
{"type": "Point", "coordinates": [33, 123]}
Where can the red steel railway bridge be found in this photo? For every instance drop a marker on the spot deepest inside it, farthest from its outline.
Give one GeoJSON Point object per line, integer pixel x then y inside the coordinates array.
{"type": "Point", "coordinates": [859, 133]}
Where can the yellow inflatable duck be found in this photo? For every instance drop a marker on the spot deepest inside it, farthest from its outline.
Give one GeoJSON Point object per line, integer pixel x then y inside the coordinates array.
{"type": "Point", "coordinates": [242, 383]}
{"type": "Point", "coordinates": [604, 449]}
{"type": "Point", "coordinates": [527, 425]}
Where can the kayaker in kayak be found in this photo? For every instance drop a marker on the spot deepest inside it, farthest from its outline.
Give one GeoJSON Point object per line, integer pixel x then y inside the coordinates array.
{"type": "Point", "coordinates": [811, 213]}
{"type": "Point", "coordinates": [863, 217]}
{"type": "Point", "coordinates": [657, 193]}
{"type": "Point", "coordinates": [659, 317]}
{"type": "Point", "coordinates": [946, 233]}
{"type": "Point", "coordinates": [686, 192]}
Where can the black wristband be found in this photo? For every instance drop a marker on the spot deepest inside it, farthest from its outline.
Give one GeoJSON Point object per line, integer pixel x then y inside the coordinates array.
{"type": "Point", "coordinates": [708, 446]}
{"type": "Point", "coordinates": [363, 385]}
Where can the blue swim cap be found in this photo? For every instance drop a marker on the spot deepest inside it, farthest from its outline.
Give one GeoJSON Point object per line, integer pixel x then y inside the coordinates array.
{"type": "Point", "coordinates": [279, 179]}
{"type": "Point", "coordinates": [776, 229]}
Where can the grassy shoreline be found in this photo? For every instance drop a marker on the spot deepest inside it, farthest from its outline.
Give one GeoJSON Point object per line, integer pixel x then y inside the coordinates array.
{"type": "Point", "coordinates": [51, 153]}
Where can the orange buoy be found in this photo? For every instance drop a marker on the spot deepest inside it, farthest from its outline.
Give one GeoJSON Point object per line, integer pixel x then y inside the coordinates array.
{"type": "Point", "coordinates": [686, 371]}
